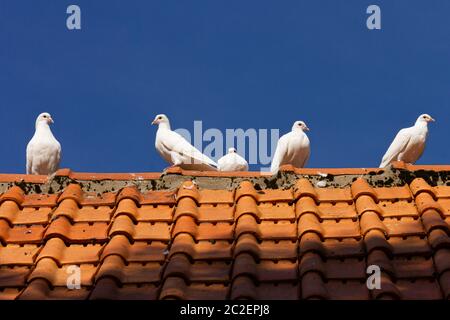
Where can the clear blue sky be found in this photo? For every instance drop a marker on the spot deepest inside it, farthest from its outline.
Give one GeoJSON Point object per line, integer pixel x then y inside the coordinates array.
{"type": "Point", "coordinates": [232, 64]}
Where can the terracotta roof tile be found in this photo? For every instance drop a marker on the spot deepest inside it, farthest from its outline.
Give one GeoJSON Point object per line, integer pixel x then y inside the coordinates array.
{"type": "Point", "coordinates": [114, 266]}
{"type": "Point", "coordinates": [267, 249]}
{"type": "Point", "coordinates": [266, 230]}
{"type": "Point", "coordinates": [70, 209]}
{"type": "Point", "coordinates": [195, 240]}
{"type": "Point", "coordinates": [202, 231]}
{"type": "Point", "coordinates": [100, 177]}
{"type": "Point", "coordinates": [16, 255]}
{"type": "Point", "coordinates": [22, 178]}
{"type": "Point", "coordinates": [20, 234]}
{"type": "Point", "coordinates": [13, 276]}
{"type": "Point", "coordinates": [350, 268]}
{"type": "Point", "coordinates": [147, 231]}
{"type": "Point", "coordinates": [40, 200]}
{"type": "Point", "coordinates": [325, 210]}
{"type": "Point", "coordinates": [108, 289]}
{"type": "Point", "coordinates": [444, 281]}
{"type": "Point", "coordinates": [409, 245]}
{"type": "Point", "coordinates": [264, 270]}
{"type": "Point", "coordinates": [187, 206]}
{"type": "Point", "coordinates": [9, 293]}
{"type": "Point", "coordinates": [201, 250]}
{"type": "Point", "coordinates": [143, 213]}
{"type": "Point", "coordinates": [47, 269]}
{"type": "Point", "coordinates": [177, 288]}
{"type": "Point", "coordinates": [14, 214]}
{"type": "Point", "coordinates": [74, 191]}
{"type": "Point", "coordinates": [334, 229]}
{"type": "Point", "coordinates": [420, 289]}
{"type": "Point", "coordinates": [330, 171]}
{"type": "Point", "coordinates": [138, 251]}
{"type": "Point", "coordinates": [15, 194]}
{"type": "Point", "coordinates": [244, 288]}
{"type": "Point", "coordinates": [264, 210]}
{"type": "Point", "coordinates": [40, 289]}
{"type": "Point", "coordinates": [79, 232]}
{"type": "Point", "coordinates": [197, 271]}
{"type": "Point", "coordinates": [56, 249]}
{"type": "Point", "coordinates": [347, 290]}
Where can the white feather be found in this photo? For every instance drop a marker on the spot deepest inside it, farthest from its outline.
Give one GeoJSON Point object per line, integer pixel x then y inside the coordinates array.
{"type": "Point", "coordinates": [43, 151]}
{"type": "Point", "coordinates": [409, 143]}
{"type": "Point", "coordinates": [292, 148]}
{"type": "Point", "coordinates": [177, 151]}
{"type": "Point", "coordinates": [232, 161]}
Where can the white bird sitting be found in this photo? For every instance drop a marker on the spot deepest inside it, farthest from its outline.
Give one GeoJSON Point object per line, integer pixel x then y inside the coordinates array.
{"type": "Point", "coordinates": [232, 161]}
{"type": "Point", "coordinates": [177, 151]}
{"type": "Point", "coordinates": [43, 150]}
{"type": "Point", "coordinates": [292, 148]}
{"type": "Point", "coordinates": [409, 143]}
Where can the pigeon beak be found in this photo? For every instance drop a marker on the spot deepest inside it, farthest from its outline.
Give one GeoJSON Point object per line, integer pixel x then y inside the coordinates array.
{"type": "Point", "coordinates": [154, 122]}
{"type": "Point", "coordinates": [432, 119]}
{"type": "Point", "coordinates": [306, 128]}
{"type": "Point", "coordinates": [51, 120]}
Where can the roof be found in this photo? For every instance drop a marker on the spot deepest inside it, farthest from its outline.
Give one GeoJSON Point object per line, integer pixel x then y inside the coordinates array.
{"type": "Point", "coordinates": [305, 234]}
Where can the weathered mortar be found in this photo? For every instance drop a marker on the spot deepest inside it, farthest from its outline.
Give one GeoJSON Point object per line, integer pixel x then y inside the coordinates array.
{"type": "Point", "coordinates": [284, 180]}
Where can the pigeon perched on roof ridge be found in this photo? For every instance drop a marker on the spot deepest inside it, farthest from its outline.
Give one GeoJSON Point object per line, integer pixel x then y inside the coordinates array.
{"type": "Point", "coordinates": [177, 151]}
{"type": "Point", "coordinates": [232, 161]}
{"type": "Point", "coordinates": [409, 143]}
{"type": "Point", "coordinates": [293, 148]}
{"type": "Point", "coordinates": [43, 152]}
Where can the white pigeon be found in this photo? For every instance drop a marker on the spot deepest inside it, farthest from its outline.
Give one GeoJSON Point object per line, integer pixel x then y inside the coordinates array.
{"type": "Point", "coordinates": [292, 148]}
{"type": "Point", "coordinates": [43, 150]}
{"type": "Point", "coordinates": [177, 151]}
{"type": "Point", "coordinates": [232, 161]}
{"type": "Point", "coordinates": [409, 143]}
